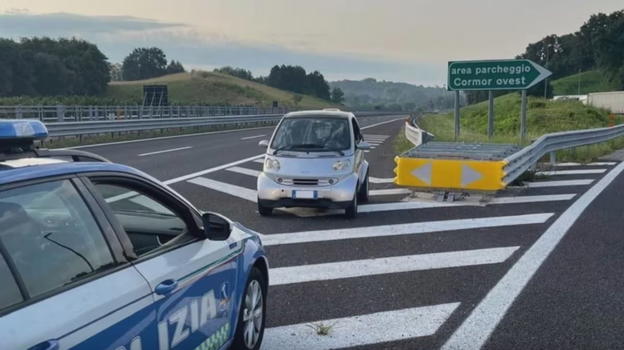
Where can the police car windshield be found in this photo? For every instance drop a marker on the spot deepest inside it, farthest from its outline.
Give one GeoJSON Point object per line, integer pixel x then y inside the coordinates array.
{"type": "Point", "coordinates": [313, 134]}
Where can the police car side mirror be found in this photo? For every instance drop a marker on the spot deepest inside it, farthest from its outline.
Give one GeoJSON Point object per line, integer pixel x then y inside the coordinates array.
{"type": "Point", "coordinates": [363, 145]}
{"type": "Point", "coordinates": [263, 143]}
{"type": "Point", "coordinates": [216, 227]}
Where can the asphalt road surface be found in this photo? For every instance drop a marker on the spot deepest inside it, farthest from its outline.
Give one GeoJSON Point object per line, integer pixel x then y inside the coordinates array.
{"type": "Point", "coordinates": [538, 267]}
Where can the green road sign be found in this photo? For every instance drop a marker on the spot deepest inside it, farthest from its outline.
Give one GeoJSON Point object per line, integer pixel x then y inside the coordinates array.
{"type": "Point", "coordinates": [495, 75]}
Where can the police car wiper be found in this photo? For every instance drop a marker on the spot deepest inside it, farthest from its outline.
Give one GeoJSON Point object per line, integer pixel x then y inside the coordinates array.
{"type": "Point", "coordinates": [334, 150]}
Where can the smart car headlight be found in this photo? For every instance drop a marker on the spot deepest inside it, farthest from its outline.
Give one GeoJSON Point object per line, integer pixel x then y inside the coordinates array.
{"type": "Point", "coordinates": [341, 165]}
{"type": "Point", "coordinates": [271, 164]}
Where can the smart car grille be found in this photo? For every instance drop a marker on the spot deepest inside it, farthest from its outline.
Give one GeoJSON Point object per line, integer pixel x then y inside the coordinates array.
{"type": "Point", "coordinates": [306, 182]}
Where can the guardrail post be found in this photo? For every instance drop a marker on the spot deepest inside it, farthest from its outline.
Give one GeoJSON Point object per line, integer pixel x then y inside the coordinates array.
{"type": "Point", "coordinates": [553, 158]}
{"type": "Point", "coordinates": [490, 130]}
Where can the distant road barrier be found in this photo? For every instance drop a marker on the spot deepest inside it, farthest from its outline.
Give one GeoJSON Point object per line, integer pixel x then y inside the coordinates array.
{"type": "Point", "coordinates": [63, 113]}
{"type": "Point", "coordinates": [415, 134]}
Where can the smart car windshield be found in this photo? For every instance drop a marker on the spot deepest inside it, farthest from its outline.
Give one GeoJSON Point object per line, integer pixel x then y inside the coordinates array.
{"type": "Point", "coordinates": [313, 134]}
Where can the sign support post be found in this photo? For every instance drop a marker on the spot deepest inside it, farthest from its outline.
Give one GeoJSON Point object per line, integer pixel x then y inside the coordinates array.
{"type": "Point", "coordinates": [490, 130]}
{"type": "Point", "coordinates": [523, 117]}
{"type": "Point", "coordinates": [457, 125]}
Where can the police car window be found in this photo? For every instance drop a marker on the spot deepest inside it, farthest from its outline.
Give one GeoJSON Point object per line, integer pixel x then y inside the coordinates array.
{"type": "Point", "coordinates": [9, 293]}
{"type": "Point", "coordinates": [148, 222]}
{"type": "Point", "coordinates": [51, 236]}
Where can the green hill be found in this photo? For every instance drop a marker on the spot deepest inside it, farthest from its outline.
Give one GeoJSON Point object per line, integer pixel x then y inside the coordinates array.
{"type": "Point", "coordinates": [199, 87]}
{"type": "Point", "coordinates": [590, 81]}
{"type": "Point", "coordinates": [543, 116]}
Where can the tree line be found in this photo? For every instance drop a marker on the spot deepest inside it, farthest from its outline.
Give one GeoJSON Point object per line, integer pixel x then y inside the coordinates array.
{"type": "Point", "coordinates": [598, 44]}
{"type": "Point", "coordinates": [291, 78]}
{"type": "Point", "coordinates": [46, 67]}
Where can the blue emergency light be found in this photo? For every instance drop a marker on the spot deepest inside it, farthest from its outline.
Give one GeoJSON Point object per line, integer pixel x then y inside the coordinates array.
{"type": "Point", "coordinates": [22, 129]}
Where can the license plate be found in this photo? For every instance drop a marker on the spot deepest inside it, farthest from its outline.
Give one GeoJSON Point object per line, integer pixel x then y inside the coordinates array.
{"type": "Point", "coordinates": [304, 194]}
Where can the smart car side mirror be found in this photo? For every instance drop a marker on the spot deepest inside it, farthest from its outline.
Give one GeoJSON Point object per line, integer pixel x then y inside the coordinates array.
{"type": "Point", "coordinates": [363, 145]}
{"type": "Point", "coordinates": [263, 143]}
{"type": "Point", "coordinates": [216, 227]}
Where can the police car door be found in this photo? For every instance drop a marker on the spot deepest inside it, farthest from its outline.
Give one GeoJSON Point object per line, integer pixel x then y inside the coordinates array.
{"type": "Point", "coordinates": [65, 281]}
{"type": "Point", "coordinates": [192, 278]}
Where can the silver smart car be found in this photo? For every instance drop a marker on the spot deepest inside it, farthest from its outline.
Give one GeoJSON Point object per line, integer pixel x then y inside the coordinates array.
{"type": "Point", "coordinates": [314, 159]}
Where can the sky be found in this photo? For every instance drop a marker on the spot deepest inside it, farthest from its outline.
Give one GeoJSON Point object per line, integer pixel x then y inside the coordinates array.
{"type": "Point", "coordinates": [397, 40]}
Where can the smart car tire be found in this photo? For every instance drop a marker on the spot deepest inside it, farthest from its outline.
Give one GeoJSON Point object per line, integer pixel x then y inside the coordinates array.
{"type": "Point", "coordinates": [264, 211]}
{"type": "Point", "coordinates": [352, 210]}
{"type": "Point", "coordinates": [251, 317]}
{"type": "Point", "coordinates": [363, 192]}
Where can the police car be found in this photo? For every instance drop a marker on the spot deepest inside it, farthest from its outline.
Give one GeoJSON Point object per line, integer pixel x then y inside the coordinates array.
{"type": "Point", "coordinates": [96, 255]}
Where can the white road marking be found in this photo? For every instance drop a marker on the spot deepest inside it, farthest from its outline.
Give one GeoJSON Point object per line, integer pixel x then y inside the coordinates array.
{"type": "Point", "coordinates": [478, 327]}
{"type": "Point", "coordinates": [373, 135]}
{"type": "Point", "coordinates": [387, 265]}
{"type": "Point", "coordinates": [373, 208]}
{"type": "Point", "coordinates": [211, 170]}
{"type": "Point", "coordinates": [378, 180]}
{"type": "Point", "coordinates": [361, 330]}
{"type": "Point", "coordinates": [402, 229]}
{"type": "Point", "coordinates": [532, 199]}
{"type": "Point", "coordinates": [165, 151]}
{"type": "Point", "coordinates": [562, 183]}
{"type": "Point", "coordinates": [251, 195]}
{"type": "Point", "coordinates": [233, 190]}
{"type": "Point", "coordinates": [261, 161]}
{"type": "Point", "coordinates": [381, 123]}
{"type": "Point", "coordinates": [571, 172]}
{"type": "Point", "coordinates": [587, 164]}
{"type": "Point", "coordinates": [252, 137]}
{"type": "Point", "coordinates": [389, 192]}
{"type": "Point", "coordinates": [244, 171]}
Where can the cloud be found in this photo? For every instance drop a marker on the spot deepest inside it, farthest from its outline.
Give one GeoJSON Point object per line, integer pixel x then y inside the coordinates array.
{"type": "Point", "coordinates": [16, 23]}
{"type": "Point", "coordinates": [117, 36]}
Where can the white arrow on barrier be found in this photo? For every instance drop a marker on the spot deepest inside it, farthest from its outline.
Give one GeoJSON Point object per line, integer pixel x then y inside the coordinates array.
{"type": "Point", "coordinates": [423, 173]}
{"type": "Point", "coordinates": [469, 175]}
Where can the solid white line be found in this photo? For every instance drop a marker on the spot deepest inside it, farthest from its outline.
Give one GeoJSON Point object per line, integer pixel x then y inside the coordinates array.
{"type": "Point", "coordinates": [377, 180]}
{"type": "Point", "coordinates": [167, 137]}
{"type": "Point", "coordinates": [382, 266]}
{"type": "Point", "coordinates": [261, 160]}
{"type": "Point", "coordinates": [562, 183]}
{"type": "Point", "coordinates": [244, 171]}
{"type": "Point", "coordinates": [402, 229]}
{"type": "Point", "coordinates": [373, 135]}
{"type": "Point", "coordinates": [233, 190]}
{"type": "Point", "coordinates": [587, 164]}
{"type": "Point", "coordinates": [164, 151]}
{"type": "Point", "coordinates": [478, 327]}
{"type": "Point", "coordinates": [211, 170]}
{"type": "Point", "coordinates": [571, 172]}
{"type": "Point", "coordinates": [360, 330]}
{"type": "Point", "coordinates": [382, 123]}
{"type": "Point", "coordinates": [390, 191]}
{"type": "Point", "coordinates": [252, 137]}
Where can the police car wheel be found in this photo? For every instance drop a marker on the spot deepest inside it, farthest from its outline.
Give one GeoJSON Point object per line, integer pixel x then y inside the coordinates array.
{"type": "Point", "coordinates": [250, 328]}
{"type": "Point", "coordinates": [363, 192]}
{"type": "Point", "coordinates": [352, 210]}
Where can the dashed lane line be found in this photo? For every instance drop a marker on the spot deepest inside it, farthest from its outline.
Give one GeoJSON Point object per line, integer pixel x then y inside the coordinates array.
{"type": "Point", "coordinates": [361, 330]}
{"type": "Point", "coordinates": [252, 137]}
{"type": "Point", "coordinates": [388, 265]}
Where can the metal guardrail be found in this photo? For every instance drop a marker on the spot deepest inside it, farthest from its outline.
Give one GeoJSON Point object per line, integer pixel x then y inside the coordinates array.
{"type": "Point", "coordinates": [64, 113]}
{"type": "Point", "coordinates": [522, 160]}
{"type": "Point", "coordinates": [110, 126]}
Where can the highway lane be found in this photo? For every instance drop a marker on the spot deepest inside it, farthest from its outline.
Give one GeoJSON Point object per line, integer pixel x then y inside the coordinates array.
{"type": "Point", "coordinates": [170, 157]}
{"type": "Point", "coordinates": [409, 273]}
